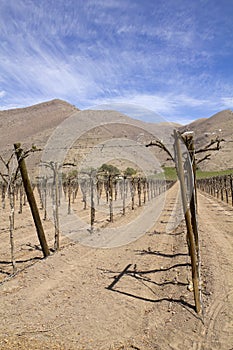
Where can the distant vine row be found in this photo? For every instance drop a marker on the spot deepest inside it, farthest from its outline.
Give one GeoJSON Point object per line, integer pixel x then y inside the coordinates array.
{"type": "Point", "coordinates": [220, 187]}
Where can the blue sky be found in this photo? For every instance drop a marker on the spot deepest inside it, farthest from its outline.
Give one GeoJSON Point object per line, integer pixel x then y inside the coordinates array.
{"type": "Point", "coordinates": [174, 57]}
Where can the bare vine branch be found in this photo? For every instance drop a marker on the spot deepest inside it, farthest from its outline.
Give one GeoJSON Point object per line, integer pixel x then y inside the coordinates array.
{"type": "Point", "coordinates": [208, 147]}
{"type": "Point", "coordinates": [207, 157]}
{"type": "Point", "coordinates": [160, 145]}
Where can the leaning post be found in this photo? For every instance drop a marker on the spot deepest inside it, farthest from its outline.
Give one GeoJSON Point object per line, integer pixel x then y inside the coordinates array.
{"type": "Point", "coordinates": [31, 199]}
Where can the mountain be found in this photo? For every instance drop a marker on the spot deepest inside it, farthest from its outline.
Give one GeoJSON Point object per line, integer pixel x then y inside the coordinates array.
{"type": "Point", "coordinates": [23, 124]}
{"type": "Point", "coordinates": [31, 125]}
{"type": "Point", "coordinates": [207, 129]}
{"type": "Point", "coordinates": [35, 124]}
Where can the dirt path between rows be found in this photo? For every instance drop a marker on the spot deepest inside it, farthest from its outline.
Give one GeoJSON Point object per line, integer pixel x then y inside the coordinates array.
{"type": "Point", "coordinates": [64, 302]}
{"type": "Point", "coordinates": [216, 230]}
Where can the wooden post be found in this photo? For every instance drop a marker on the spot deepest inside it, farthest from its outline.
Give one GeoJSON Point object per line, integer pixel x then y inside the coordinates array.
{"type": "Point", "coordinates": [139, 192]}
{"type": "Point", "coordinates": [231, 186]}
{"type": "Point", "coordinates": [110, 188]}
{"type": "Point", "coordinates": [225, 186]}
{"type": "Point", "coordinates": [11, 219]}
{"type": "Point", "coordinates": [99, 187]}
{"type": "Point", "coordinates": [188, 224]}
{"type": "Point", "coordinates": [44, 183]}
{"type": "Point", "coordinates": [69, 196]}
{"type": "Point", "coordinates": [56, 214]}
{"type": "Point", "coordinates": [132, 184]}
{"type": "Point", "coordinates": [3, 195]}
{"type": "Point", "coordinates": [144, 190]}
{"type": "Point", "coordinates": [31, 199]}
{"type": "Point", "coordinates": [20, 199]}
{"type": "Point", "coordinates": [148, 189]}
{"type": "Point", "coordinates": [115, 189]}
{"type": "Point", "coordinates": [193, 186]}
{"type": "Point", "coordinates": [222, 186]}
{"type": "Point", "coordinates": [124, 193]}
{"type": "Point", "coordinates": [92, 202]}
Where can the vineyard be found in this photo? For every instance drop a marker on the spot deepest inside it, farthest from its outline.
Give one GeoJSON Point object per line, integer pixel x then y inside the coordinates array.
{"type": "Point", "coordinates": [100, 198]}
{"type": "Point", "coordinates": [220, 187]}
{"type": "Point", "coordinates": [66, 215]}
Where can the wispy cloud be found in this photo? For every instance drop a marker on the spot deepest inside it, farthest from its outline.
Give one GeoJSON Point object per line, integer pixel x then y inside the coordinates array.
{"type": "Point", "coordinates": [227, 102]}
{"type": "Point", "coordinates": [2, 93]}
{"type": "Point", "coordinates": [167, 106]}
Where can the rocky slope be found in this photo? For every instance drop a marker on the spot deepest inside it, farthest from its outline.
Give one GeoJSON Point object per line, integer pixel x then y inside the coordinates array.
{"type": "Point", "coordinates": [35, 124]}
{"type": "Point", "coordinates": [207, 129]}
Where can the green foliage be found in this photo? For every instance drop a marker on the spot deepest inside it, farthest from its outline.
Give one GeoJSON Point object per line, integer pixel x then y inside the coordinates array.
{"type": "Point", "coordinates": [73, 174]}
{"type": "Point", "coordinates": [205, 174]}
{"type": "Point", "coordinates": [170, 173]}
{"type": "Point", "coordinates": [130, 171]}
{"type": "Point", "coordinates": [109, 169]}
{"type": "Point", "coordinates": [70, 175]}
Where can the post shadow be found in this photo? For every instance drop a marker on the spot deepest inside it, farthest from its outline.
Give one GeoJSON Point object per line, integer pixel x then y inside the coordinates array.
{"type": "Point", "coordinates": [137, 275]}
{"type": "Point", "coordinates": [157, 253]}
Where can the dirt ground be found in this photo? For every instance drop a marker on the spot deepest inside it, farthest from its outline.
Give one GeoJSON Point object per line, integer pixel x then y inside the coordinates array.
{"type": "Point", "coordinates": [68, 301]}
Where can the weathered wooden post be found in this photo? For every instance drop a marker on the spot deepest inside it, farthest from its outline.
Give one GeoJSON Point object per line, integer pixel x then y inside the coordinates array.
{"type": "Point", "coordinates": [69, 195]}
{"type": "Point", "coordinates": [144, 190]}
{"type": "Point", "coordinates": [12, 222]}
{"type": "Point", "coordinates": [132, 189]}
{"type": "Point", "coordinates": [226, 190]}
{"type": "Point", "coordinates": [20, 199]}
{"type": "Point", "coordinates": [148, 189]}
{"type": "Point", "coordinates": [56, 215]}
{"type": "Point", "coordinates": [139, 192]}
{"type": "Point", "coordinates": [44, 184]}
{"type": "Point", "coordinates": [124, 193]}
{"type": "Point", "coordinates": [83, 186]}
{"type": "Point", "coordinates": [189, 142]}
{"type": "Point", "coordinates": [3, 195]}
{"type": "Point", "coordinates": [222, 187]}
{"type": "Point", "coordinates": [110, 191]}
{"type": "Point", "coordinates": [115, 189]}
{"type": "Point", "coordinates": [187, 215]}
{"type": "Point", "coordinates": [99, 188]}
{"type": "Point", "coordinates": [231, 187]}
{"type": "Point", "coordinates": [31, 199]}
{"type": "Point", "coordinates": [92, 201]}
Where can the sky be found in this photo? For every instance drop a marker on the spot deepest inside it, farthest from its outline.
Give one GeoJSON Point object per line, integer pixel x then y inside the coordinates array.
{"type": "Point", "coordinates": [173, 57]}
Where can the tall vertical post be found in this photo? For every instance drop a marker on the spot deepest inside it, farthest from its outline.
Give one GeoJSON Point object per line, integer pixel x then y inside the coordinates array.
{"type": "Point", "coordinates": [110, 188]}
{"type": "Point", "coordinates": [92, 201]}
{"type": "Point", "coordinates": [124, 193]}
{"type": "Point", "coordinates": [56, 214]}
{"type": "Point", "coordinates": [231, 186]}
{"type": "Point", "coordinates": [31, 199]}
{"type": "Point", "coordinates": [187, 215]}
{"type": "Point", "coordinates": [193, 186]}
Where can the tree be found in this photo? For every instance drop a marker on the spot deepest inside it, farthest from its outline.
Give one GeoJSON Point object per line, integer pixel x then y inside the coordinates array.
{"type": "Point", "coordinates": [109, 169]}
{"type": "Point", "coordinates": [130, 171]}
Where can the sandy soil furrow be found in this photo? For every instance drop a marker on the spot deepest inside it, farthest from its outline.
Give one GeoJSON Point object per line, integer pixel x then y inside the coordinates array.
{"type": "Point", "coordinates": [64, 302]}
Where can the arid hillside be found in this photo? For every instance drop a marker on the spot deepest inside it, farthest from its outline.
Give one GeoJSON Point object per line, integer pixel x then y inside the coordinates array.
{"type": "Point", "coordinates": [207, 129]}
{"type": "Point", "coordinates": [31, 125]}
{"type": "Point", "coordinates": [35, 124]}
